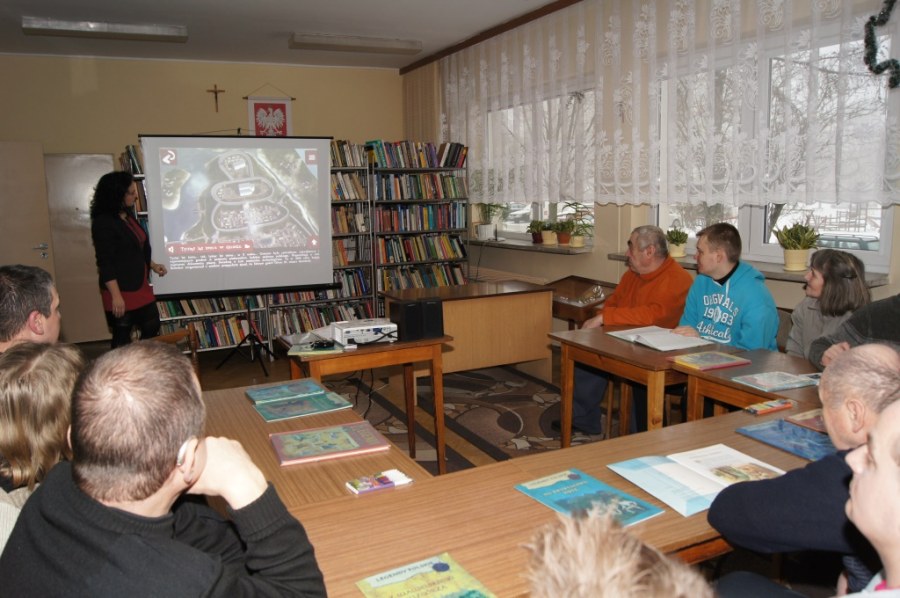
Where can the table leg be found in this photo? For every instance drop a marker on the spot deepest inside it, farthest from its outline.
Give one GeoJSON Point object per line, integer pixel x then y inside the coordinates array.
{"type": "Point", "coordinates": [437, 382]}
{"type": "Point", "coordinates": [656, 399]}
{"type": "Point", "coordinates": [296, 370]}
{"type": "Point", "coordinates": [409, 382]}
{"type": "Point", "coordinates": [566, 382]}
{"type": "Point", "coordinates": [315, 372]}
{"type": "Point", "coordinates": [694, 400]}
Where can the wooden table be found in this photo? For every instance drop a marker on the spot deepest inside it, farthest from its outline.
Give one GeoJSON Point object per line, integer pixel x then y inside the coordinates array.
{"type": "Point", "coordinates": [719, 386]}
{"type": "Point", "coordinates": [229, 413]}
{"type": "Point", "coordinates": [621, 358]}
{"type": "Point", "coordinates": [402, 353]}
{"type": "Point", "coordinates": [575, 299]}
{"type": "Point", "coordinates": [492, 323]}
{"type": "Point", "coordinates": [483, 521]}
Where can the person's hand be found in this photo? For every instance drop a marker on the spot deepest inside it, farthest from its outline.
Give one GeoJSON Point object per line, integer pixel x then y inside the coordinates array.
{"type": "Point", "coordinates": [118, 305]}
{"type": "Point", "coordinates": [686, 331]}
{"type": "Point", "coordinates": [595, 322]}
{"type": "Point", "coordinates": [833, 351]}
{"type": "Point", "coordinates": [223, 468]}
{"type": "Point", "coordinates": [159, 269]}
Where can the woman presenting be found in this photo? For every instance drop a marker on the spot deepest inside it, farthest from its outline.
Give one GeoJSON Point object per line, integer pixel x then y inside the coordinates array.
{"type": "Point", "coordinates": [123, 259]}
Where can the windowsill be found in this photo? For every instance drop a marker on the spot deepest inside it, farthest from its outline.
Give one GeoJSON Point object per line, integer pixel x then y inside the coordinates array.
{"type": "Point", "coordinates": [519, 245]}
{"type": "Point", "coordinates": [769, 270]}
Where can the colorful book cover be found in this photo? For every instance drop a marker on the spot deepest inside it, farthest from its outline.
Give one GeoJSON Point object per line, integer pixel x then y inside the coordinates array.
{"type": "Point", "coordinates": [439, 575]}
{"type": "Point", "coordinates": [811, 419]}
{"type": "Point", "coordinates": [295, 389]}
{"type": "Point", "coordinates": [288, 408]}
{"type": "Point", "coordinates": [574, 492]}
{"type": "Point", "coordinates": [774, 381]}
{"type": "Point", "coordinates": [764, 407]}
{"type": "Point", "coordinates": [331, 442]}
{"type": "Point", "coordinates": [796, 440]}
{"type": "Point", "coordinates": [709, 360]}
{"type": "Point", "coordinates": [379, 481]}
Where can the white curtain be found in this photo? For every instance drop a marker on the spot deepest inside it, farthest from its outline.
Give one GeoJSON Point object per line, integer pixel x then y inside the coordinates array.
{"type": "Point", "coordinates": [736, 102]}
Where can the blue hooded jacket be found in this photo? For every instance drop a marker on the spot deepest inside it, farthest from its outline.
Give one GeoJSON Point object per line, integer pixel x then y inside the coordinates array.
{"type": "Point", "coordinates": [740, 313]}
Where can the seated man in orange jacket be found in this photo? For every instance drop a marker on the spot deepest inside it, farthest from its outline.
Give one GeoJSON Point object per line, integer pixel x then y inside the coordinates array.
{"type": "Point", "coordinates": [651, 292]}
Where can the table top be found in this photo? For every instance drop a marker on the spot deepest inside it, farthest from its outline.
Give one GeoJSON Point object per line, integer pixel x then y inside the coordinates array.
{"type": "Point", "coordinates": [472, 290]}
{"type": "Point", "coordinates": [230, 413]}
{"type": "Point", "coordinates": [483, 521]}
{"type": "Point", "coordinates": [363, 350]}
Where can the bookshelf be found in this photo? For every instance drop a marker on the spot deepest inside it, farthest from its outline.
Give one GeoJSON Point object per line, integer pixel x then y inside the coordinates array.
{"type": "Point", "coordinates": [420, 197]}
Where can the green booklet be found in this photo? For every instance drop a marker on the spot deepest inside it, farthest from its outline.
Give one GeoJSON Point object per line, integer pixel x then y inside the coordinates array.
{"type": "Point", "coordinates": [299, 407]}
{"type": "Point", "coordinates": [436, 576]}
{"type": "Point", "coordinates": [295, 389]}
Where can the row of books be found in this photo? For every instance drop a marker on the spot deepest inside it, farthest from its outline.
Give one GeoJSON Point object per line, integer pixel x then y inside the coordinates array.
{"type": "Point", "coordinates": [291, 298]}
{"type": "Point", "coordinates": [132, 159]}
{"type": "Point", "coordinates": [352, 250]}
{"type": "Point", "coordinates": [399, 250]}
{"type": "Point", "coordinates": [348, 186]}
{"type": "Point", "coordinates": [354, 282]}
{"type": "Point", "coordinates": [415, 154]}
{"type": "Point", "coordinates": [291, 320]}
{"type": "Point", "coordinates": [425, 186]}
{"type": "Point", "coordinates": [345, 154]}
{"type": "Point", "coordinates": [215, 333]}
{"type": "Point", "coordinates": [199, 306]}
{"type": "Point", "coordinates": [420, 217]}
{"type": "Point", "coordinates": [421, 276]}
{"type": "Point", "coordinates": [349, 219]}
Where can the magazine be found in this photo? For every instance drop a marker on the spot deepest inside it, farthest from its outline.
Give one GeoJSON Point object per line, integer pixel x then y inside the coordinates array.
{"type": "Point", "coordinates": [436, 576]}
{"type": "Point", "coordinates": [709, 360]}
{"type": "Point", "coordinates": [811, 419]}
{"type": "Point", "coordinates": [300, 407]}
{"type": "Point", "coordinates": [319, 444]}
{"type": "Point", "coordinates": [775, 381]}
{"type": "Point", "coordinates": [661, 339]}
{"type": "Point", "coordinates": [796, 440]}
{"type": "Point", "coordinates": [295, 389]}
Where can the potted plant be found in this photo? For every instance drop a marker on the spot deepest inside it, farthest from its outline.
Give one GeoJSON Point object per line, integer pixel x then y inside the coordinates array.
{"type": "Point", "coordinates": [583, 223]}
{"type": "Point", "coordinates": [564, 230]}
{"type": "Point", "coordinates": [796, 240]}
{"type": "Point", "coordinates": [487, 229]}
{"type": "Point", "coordinates": [548, 233]}
{"type": "Point", "coordinates": [582, 231]}
{"type": "Point", "coordinates": [677, 239]}
{"type": "Point", "coordinates": [535, 227]}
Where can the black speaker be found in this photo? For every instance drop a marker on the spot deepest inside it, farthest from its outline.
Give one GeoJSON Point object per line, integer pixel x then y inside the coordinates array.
{"type": "Point", "coordinates": [407, 315]}
{"type": "Point", "coordinates": [432, 318]}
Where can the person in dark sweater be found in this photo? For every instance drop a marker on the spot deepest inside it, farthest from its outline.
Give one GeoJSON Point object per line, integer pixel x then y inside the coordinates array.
{"type": "Point", "coordinates": [877, 322]}
{"type": "Point", "coordinates": [116, 521]}
{"type": "Point", "coordinates": [804, 509]}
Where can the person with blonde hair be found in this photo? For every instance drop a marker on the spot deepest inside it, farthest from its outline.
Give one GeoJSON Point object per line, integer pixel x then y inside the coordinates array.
{"type": "Point", "coordinates": [594, 557]}
{"type": "Point", "coordinates": [36, 381]}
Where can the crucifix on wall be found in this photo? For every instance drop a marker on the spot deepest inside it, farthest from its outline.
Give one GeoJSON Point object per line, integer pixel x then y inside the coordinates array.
{"type": "Point", "coordinates": [216, 91]}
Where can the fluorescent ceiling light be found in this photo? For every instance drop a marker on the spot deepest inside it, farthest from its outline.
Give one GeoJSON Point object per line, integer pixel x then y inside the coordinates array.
{"type": "Point", "coordinates": [123, 31]}
{"type": "Point", "coordinates": [351, 43]}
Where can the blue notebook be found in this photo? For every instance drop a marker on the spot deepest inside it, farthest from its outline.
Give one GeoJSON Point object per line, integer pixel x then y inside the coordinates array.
{"type": "Point", "coordinates": [789, 437]}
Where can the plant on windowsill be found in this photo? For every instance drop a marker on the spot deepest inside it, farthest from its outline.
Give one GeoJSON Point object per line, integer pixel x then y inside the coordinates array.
{"type": "Point", "coordinates": [583, 219]}
{"type": "Point", "coordinates": [796, 240]}
{"type": "Point", "coordinates": [677, 239]}
{"type": "Point", "coordinates": [548, 233]}
{"type": "Point", "coordinates": [564, 230]}
{"type": "Point", "coordinates": [535, 227]}
{"type": "Point", "coordinates": [488, 212]}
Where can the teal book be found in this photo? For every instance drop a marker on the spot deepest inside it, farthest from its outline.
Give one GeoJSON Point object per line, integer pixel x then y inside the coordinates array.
{"type": "Point", "coordinates": [295, 389]}
{"type": "Point", "coordinates": [289, 408]}
{"type": "Point", "coordinates": [574, 493]}
{"type": "Point", "coordinates": [797, 440]}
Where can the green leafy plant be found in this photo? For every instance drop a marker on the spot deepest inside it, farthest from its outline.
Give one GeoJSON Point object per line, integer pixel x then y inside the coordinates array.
{"type": "Point", "coordinates": [546, 225]}
{"type": "Point", "coordinates": [676, 236]}
{"type": "Point", "coordinates": [489, 211]}
{"type": "Point", "coordinates": [797, 236]}
{"type": "Point", "coordinates": [564, 226]}
{"type": "Point", "coordinates": [535, 226]}
{"type": "Point", "coordinates": [582, 217]}
{"type": "Point", "coordinates": [583, 229]}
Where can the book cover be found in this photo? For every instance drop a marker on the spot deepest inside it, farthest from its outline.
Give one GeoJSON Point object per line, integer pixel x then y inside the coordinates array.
{"type": "Point", "coordinates": [774, 381]}
{"type": "Point", "coordinates": [288, 408]}
{"type": "Point", "coordinates": [764, 407]}
{"type": "Point", "coordinates": [307, 349]}
{"type": "Point", "coordinates": [330, 442]}
{"type": "Point", "coordinates": [797, 440]}
{"type": "Point", "coordinates": [295, 389]}
{"type": "Point", "coordinates": [574, 492]}
{"type": "Point", "coordinates": [709, 360]}
{"type": "Point", "coordinates": [689, 481]}
{"type": "Point", "coordinates": [439, 575]}
{"type": "Point", "coordinates": [811, 419]}
{"type": "Point", "coordinates": [378, 481]}
{"type": "Point", "coordinates": [661, 339]}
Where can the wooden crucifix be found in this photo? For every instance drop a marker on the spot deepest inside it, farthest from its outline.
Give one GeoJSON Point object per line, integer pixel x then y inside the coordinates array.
{"type": "Point", "coordinates": [216, 91]}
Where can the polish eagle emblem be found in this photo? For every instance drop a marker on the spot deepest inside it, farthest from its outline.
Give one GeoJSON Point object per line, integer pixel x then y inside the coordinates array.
{"type": "Point", "coordinates": [270, 122]}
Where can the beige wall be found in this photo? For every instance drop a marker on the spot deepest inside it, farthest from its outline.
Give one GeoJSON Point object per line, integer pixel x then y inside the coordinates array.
{"type": "Point", "coordinates": [92, 105]}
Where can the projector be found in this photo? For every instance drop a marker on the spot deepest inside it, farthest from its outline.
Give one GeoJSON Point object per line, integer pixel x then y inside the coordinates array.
{"type": "Point", "coordinates": [361, 332]}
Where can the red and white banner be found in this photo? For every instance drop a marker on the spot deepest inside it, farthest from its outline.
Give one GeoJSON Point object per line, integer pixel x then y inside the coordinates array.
{"type": "Point", "coordinates": [269, 117]}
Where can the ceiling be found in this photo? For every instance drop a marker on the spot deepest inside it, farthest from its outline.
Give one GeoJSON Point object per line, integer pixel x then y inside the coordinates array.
{"type": "Point", "coordinates": [258, 30]}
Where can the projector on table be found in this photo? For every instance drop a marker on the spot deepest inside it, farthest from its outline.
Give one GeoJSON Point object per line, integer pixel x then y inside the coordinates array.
{"type": "Point", "coordinates": [361, 332]}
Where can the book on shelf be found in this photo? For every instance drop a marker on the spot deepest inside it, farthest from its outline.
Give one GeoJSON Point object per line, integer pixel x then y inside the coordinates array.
{"type": "Point", "coordinates": [329, 442]}
{"type": "Point", "coordinates": [295, 389]}
{"type": "Point", "coordinates": [436, 576]}
{"type": "Point", "coordinates": [689, 481]}
{"type": "Point", "coordinates": [573, 492]}
{"type": "Point", "coordinates": [775, 381]}
{"type": "Point", "coordinates": [379, 481]}
{"type": "Point", "coordinates": [661, 339]}
{"type": "Point", "coordinates": [709, 360]}
{"type": "Point", "coordinates": [797, 440]}
{"type": "Point", "coordinates": [811, 419]}
{"type": "Point", "coordinates": [301, 407]}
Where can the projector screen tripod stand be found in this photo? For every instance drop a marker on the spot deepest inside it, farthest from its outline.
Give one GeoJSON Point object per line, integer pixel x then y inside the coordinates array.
{"type": "Point", "coordinates": [258, 347]}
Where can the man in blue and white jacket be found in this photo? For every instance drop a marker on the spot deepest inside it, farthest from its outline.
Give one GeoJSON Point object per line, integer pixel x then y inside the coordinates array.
{"type": "Point", "coordinates": [729, 302]}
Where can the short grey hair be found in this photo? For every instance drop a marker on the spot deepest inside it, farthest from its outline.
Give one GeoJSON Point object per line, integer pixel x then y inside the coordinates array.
{"type": "Point", "coordinates": [869, 373]}
{"type": "Point", "coordinates": [648, 235]}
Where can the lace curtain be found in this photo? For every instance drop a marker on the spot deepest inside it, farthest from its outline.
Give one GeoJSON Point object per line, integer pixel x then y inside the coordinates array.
{"type": "Point", "coordinates": [736, 102]}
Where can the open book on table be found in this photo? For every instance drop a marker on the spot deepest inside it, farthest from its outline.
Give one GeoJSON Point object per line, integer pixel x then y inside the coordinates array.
{"type": "Point", "coordinates": [689, 481]}
{"type": "Point", "coordinates": [661, 339]}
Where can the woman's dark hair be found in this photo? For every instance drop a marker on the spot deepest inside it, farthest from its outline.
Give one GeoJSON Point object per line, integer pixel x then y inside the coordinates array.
{"type": "Point", "coordinates": [844, 276]}
{"type": "Point", "coordinates": [109, 194]}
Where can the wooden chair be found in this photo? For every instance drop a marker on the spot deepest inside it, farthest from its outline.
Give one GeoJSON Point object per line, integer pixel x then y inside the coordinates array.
{"type": "Point", "coordinates": [784, 328]}
{"type": "Point", "coordinates": [184, 337]}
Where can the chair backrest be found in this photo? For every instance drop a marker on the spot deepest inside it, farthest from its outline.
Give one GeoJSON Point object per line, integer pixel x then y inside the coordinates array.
{"type": "Point", "coordinates": [184, 337]}
{"type": "Point", "coordinates": [784, 328]}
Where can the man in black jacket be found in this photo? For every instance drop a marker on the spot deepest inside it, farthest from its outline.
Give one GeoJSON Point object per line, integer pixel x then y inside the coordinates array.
{"type": "Point", "coordinates": [115, 521]}
{"type": "Point", "coordinates": [804, 509]}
